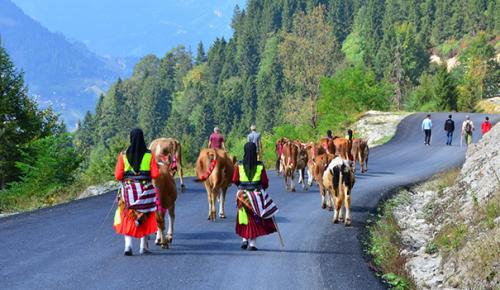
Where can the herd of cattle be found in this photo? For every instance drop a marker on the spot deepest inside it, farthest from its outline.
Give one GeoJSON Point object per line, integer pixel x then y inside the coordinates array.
{"type": "Point", "coordinates": [331, 163]}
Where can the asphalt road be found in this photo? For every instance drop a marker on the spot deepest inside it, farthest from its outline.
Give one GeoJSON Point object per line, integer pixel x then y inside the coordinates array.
{"type": "Point", "coordinates": [62, 247]}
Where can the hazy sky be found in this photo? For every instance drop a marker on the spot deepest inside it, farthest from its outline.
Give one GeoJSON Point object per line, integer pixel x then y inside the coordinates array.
{"type": "Point", "coordinates": [135, 27]}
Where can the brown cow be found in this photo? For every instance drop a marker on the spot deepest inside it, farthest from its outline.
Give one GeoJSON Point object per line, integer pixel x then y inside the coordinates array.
{"type": "Point", "coordinates": [215, 169]}
{"type": "Point", "coordinates": [167, 194]}
{"type": "Point", "coordinates": [360, 152]}
{"type": "Point", "coordinates": [289, 163]}
{"type": "Point", "coordinates": [173, 148]}
{"type": "Point", "coordinates": [327, 145]}
{"type": "Point", "coordinates": [338, 180]}
{"type": "Point", "coordinates": [343, 148]}
{"type": "Point", "coordinates": [312, 151]}
{"type": "Point", "coordinates": [302, 160]}
{"type": "Point", "coordinates": [279, 150]}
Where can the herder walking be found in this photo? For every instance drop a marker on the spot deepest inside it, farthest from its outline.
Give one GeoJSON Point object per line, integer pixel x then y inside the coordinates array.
{"type": "Point", "coordinates": [135, 215]}
{"type": "Point", "coordinates": [486, 125]}
{"type": "Point", "coordinates": [467, 129]}
{"type": "Point", "coordinates": [254, 137]}
{"type": "Point", "coordinates": [256, 209]}
{"type": "Point", "coordinates": [427, 127]}
{"type": "Point", "coordinates": [449, 127]}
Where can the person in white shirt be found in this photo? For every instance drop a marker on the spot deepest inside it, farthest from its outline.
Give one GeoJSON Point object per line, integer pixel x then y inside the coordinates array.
{"type": "Point", "coordinates": [427, 127]}
{"type": "Point", "coordinates": [467, 128]}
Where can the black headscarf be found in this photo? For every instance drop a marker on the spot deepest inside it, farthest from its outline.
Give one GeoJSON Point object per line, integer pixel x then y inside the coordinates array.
{"type": "Point", "coordinates": [137, 148]}
{"type": "Point", "coordinates": [349, 133]}
{"type": "Point", "coordinates": [250, 160]}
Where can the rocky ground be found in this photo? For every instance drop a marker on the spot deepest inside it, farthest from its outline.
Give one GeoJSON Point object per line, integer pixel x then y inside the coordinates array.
{"type": "Point", "coordinates": [378, 127]}
{"type": "Point", "coordinates": [98, 189]}
{"type": "Point", "coordinates": [450, 226]}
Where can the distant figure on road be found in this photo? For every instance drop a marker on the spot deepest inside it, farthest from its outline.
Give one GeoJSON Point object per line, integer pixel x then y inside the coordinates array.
{"type": "Point", "coordinates": [329, 135]}
{"type": "Point", "coordinates": [349, 135]}
{"type": "Point", "coordinates": [216, 140]}
{"type": "Point", "coordinates": [467, 129]}
{"type": "Point", "coordinates": [135, 215]}
{"type": "Point", "coordinates": [255, 207]}
{"type": "Point", "coordinates": [486, 125]}
{"type": "Point", "coordinates": [449, 127]}
{"type": "Point", "coordinates": [427, 127]}
{"type": "Point", "coordinates": [254, 137]}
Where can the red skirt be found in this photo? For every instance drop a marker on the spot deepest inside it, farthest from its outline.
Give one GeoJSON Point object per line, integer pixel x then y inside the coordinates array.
{"type": "Point", "coordinates": [125, 224]}
{"type": "Point", "coordinates": [256, 226]}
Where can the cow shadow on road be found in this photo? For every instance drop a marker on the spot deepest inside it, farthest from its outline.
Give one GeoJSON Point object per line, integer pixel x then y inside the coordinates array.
{"type": "Point", "coordinates": [373, 174]}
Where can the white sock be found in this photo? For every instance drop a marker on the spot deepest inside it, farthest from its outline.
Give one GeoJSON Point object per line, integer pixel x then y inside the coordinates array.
{"type": "Point", "coordinates": [144, 242]}
{"type": "Point", "coordinates": [253, 242]}
{"type": "Point", "coordinates": [244, 240]}
{"type": "Point", "coordinates": [128, 243]}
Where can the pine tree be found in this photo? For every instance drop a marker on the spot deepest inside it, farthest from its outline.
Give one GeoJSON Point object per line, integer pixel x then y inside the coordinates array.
{"type": "Point", "coordinates": [200, 54]}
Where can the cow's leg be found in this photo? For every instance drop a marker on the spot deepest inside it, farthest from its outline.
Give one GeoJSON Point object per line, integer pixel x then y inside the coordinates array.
{"type": "Point", "coordinates": [222, 200]}
{"type": "Point", "coordinates": [361, 162]}
{"type": "Point", "coordinates": [366, 159]}
{"type": "Point", "coordinates": [347, 205]}
{"type": "Point", "coordinates": [160, 233]}
{"type": "Point", "coordinates": [209, 198]}
{"type": "Point", "coordinates": [341, 202]}
{"type": "Point", "coordinates": [338, 207]}
{"type": "Point", "coordinates": [322, 191]}
{"type": "Point", "coordinates": [301, 177]}
{"type": "Point", "coordinates": [213, 210]}
{"type": "Point", "coordinates": [309, 177]}
{"type": "Point", "coordinates": [330, 200]}
{"type": "Point", "coordinates": [181, 177]}
{"type": "Point", "coordinates": [293, 180]}
{"type": "Point", "coordinates": [171, 220]}
{"type": "Point", "coordinates": [285, 174]}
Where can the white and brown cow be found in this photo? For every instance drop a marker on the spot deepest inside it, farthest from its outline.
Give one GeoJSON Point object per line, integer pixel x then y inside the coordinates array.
{"type": "Point", "coordinates": [338, 180]}
{"type": "Point", "coordinates": [171, 147]}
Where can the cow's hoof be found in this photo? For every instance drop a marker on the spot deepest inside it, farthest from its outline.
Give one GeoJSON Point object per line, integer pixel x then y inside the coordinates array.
{"type": "Point", "coordinates": [165, 246]}
{"type": "Point", "coordinates": [335, 221]}
{"type": "Point", "coordinates": [183, 188]}
{"type": "Point", "coordinates": [222, 216]}
{"type": "Point", "coordinates": [323, 206]}
{"type": "Point", "coordinates": [293, 189]}
{"type": "Point", "coordinates": [347, 225]}
{"type": "Point", "coordinates": [169, 238]}
{"type": "Point", "coordinates": [341, 219]}
{"type": "Point", "coordinates": [330, 209]}
{"type": "Point", "coordinates": [157, 242]}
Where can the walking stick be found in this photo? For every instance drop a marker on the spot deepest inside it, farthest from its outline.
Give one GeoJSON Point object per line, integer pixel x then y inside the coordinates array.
{"type": "Point", "coordinates": [279, 233]}
{"type": "Point", "coordinates": [461, 137]}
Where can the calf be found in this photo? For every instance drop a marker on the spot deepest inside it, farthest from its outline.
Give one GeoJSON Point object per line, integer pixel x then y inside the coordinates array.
{"type": "Point", "coordinates": [289, 164]}
{"type": "Point", "coordinates": [318, 166]}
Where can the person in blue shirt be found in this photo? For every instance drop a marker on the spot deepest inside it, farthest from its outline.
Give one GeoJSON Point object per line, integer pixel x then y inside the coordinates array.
{"type": "Point", "coordinates": [427, 127]}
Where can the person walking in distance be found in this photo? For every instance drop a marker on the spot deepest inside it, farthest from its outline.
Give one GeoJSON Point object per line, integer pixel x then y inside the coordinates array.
{"type": "Point", "coordinates": [254, 137]}
{"type": "Point", "coordinates": [449, 127]}
{"type": "Point", "coordinates": [486, 125]}
{"type": "Point", "coordinates": [427, 127]}
{"type": "Point", "coordinates": [216, 140]}
{"type": "Point", "coordinates": [467, 129]}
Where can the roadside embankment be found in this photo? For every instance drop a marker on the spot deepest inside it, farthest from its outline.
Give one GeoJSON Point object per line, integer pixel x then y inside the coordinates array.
{"type": "Point", "coordinates": [444, 233]}
{"type": "Point", "coordinates": [378, 127]}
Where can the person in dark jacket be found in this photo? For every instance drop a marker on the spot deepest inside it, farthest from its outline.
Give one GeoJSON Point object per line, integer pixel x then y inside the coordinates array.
{"type": "Point", "coordinates": [449, 127]}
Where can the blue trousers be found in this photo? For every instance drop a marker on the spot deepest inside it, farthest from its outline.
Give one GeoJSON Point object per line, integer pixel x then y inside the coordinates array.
{"type": "Point", "coordinates": [449, 136]}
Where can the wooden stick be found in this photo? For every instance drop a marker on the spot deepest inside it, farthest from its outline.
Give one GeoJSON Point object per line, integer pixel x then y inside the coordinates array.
{"type": "Point", "coordinates": [279, 233]}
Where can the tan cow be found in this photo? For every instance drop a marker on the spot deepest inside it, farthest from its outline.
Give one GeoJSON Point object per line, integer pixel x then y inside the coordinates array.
{"type": "Point", "coordinates": [215, 169]}
{"type": "Point", "coordinates": [360, 152]}
{"type": "Point", "coordinates": [289, 164]}
{"type": "Point", "coordinates": [173, 148]}
{"type": "Point", "coordinates": [279, 150]}
{"type": "Point", "coordinates": [338, 180]}
{"type": "Point", "coordinates": [312, 151]}
{"type": "Point", "coordinates": [327, 145]}
{"type": "Point", "coordinates": [317, 166]}
{"type": "Point", "coordinates": [167, 194]}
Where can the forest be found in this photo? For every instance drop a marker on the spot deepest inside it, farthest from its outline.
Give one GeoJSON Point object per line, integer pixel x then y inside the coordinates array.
{"type": "Point", "coordinates": [294, 68]}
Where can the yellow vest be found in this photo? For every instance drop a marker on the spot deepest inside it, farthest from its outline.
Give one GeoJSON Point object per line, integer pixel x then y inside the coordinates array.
{"type": "Point", "coordinates": [144, 170]}
{"type": "Point", "coordinates": [253, 184]}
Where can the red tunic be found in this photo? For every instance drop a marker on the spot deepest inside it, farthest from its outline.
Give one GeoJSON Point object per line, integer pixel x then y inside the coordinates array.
{"type": "Point", "coordinates": [127, 225]}
{"type": "Point", "coordinates": [256, 226]}
{"type": "Point", "coordinates": [216, 141]}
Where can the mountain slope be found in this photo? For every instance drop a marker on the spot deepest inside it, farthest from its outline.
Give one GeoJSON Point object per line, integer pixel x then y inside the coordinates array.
{"type": "Point", "coordinates": [62, 73]}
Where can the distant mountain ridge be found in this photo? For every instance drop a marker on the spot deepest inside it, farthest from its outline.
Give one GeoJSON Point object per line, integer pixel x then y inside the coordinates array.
{"type": "Point", "coordinates": [60, 72]}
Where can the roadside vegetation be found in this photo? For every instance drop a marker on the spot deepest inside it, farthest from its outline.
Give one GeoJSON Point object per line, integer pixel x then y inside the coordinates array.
{"type": "Point", "coordinates": [354, 56]}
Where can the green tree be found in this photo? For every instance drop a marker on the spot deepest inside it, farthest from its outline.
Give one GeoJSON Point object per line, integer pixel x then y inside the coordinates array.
{"type": "Point", "coordinates": [311, 47]}
{"type": "Point", "coordinates": [200, 54]}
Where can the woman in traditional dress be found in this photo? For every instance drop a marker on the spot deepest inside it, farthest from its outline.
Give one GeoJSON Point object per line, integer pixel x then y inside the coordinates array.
{"type": "Point", "coordinates": [135, 215]}
{"type": "Point", "coordinates": [255, 208]}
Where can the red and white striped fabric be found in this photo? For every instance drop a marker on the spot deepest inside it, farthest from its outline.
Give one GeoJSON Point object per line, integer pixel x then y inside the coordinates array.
{"type": "Point", "coordinates": [262, 204]}
{"type": "Point", "coordinates": [139, 196]}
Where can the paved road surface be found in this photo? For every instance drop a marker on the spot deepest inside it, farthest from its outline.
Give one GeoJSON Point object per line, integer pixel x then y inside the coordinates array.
{"type": "Point", "coordinates": [53, 248]}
